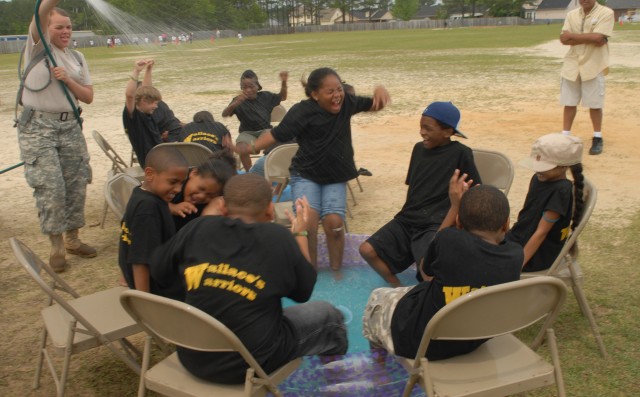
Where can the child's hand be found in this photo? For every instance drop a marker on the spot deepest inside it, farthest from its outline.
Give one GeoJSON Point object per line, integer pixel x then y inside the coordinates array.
{"type": "Point", "coordinates": [182, 209]}
{"type": "Point", "coordinates": [241, 97]}
{"type": "Point", "coordinates": [284, 76]}
{"type": "Point", "coordinates": [139, 65]}
{"type": "Point", "coordinates": [300, 222]}
{"type": "Point", "coordinates": [458, 185]}
{"type": "Point", "coordinates": [213, 208]}
{"type": "Point", "coordinates": [381, 98]}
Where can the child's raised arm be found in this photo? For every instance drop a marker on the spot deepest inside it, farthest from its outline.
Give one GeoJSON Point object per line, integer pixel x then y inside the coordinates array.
{"type": "Point", "coordinates": [300, 225]}
{"type": "Point", "coordinates": [132, 85]}
{"type": "Point", "coordinates": [544, 227]}
{"type": "Point", "coordinates": [458, 185]}
{"type": "Point", "coordinates": [284, 76]}
{"type": "Point", "coordinates": [381, 98]}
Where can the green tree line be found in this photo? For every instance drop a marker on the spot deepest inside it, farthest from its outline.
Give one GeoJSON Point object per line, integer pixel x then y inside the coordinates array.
{"type": "Point", "coordinates": [15, 15]}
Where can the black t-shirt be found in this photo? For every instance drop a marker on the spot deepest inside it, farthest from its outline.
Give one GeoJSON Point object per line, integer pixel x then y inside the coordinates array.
{"type": "Point", "coordinates": [167, 121]}
{"type": "Point", "coordinates": [554, 196]}
{"type": "Point", "coordinates": [238, 273]}
{"type": "Point", "coordinates": [146, 225]}
{"type": "Point", "coordinates": [326, 153]}
{"type": "Point", "coordinates": [428, 178]}
{"type": "Point", "coordinates": [459, 262]}
{"type": "Point", "coordinates": [206, 133]}
{"type": "Point", "coordinates": [142, 131]}
{"type": "Point", "coordinates": [255, 114]}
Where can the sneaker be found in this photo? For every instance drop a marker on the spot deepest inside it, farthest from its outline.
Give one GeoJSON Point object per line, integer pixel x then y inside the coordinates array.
{"type": "Point", "coordinates": [596, 146]}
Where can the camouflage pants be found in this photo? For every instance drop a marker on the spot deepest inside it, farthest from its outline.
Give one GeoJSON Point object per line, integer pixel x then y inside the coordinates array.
{"type": "Point", "coordinates": [57, 168]}
{"type": "Point", "coordinates": [376, 322]}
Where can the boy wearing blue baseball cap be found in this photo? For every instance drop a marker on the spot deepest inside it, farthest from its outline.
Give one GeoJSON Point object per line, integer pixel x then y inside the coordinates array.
{"type": "Point", "coordinates": [404, 240]}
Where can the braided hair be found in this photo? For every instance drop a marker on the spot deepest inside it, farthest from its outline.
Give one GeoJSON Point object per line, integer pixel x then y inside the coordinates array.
{"type": "Point", "coordinates": [578, 194]}
{"type": "Point", "coordinates": [578, 202]}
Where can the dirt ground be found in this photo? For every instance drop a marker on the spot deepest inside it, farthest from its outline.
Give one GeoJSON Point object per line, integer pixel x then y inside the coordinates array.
{"type": "Point", "coordinates": [382, 142]}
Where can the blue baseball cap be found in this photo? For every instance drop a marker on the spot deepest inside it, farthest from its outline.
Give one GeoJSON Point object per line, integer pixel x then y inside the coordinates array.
{"type": "Point", "coordinates": [446, 113]}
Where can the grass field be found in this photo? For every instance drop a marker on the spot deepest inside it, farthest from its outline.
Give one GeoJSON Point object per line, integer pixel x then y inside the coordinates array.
{"type": "Point", "coordinates": [473, 65]}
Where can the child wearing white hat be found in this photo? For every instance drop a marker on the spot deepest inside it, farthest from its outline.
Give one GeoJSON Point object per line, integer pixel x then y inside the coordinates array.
{"type": "Point", "coordinates": [549, 212]}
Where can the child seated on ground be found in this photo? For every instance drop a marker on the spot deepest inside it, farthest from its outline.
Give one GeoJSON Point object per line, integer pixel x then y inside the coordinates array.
{"type": "Point", "coordinates": [253, 108]}
{"type": "Point", "coordinates": [147, 222]}
{"type": "Point", "coordinates": [206, 131]}
{"type": "Point", "coordinates": [204, 183]}
{"type": "Point", "coordinates": [140, 102]}
{"type": "Point", "coordinates": [543, 224]}
{"type": "Point", "coordinates": [403, 240]}
{"type": "Point", "coordinates": [237, 268]}
{"type": "Point", "coordinates": [460, 259]}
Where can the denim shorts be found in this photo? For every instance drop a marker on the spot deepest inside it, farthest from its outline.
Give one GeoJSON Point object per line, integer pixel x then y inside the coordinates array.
{"type": "Point", "coordinates": [258, 166]}
{"type": "Point", "coordinates": [325, 199]}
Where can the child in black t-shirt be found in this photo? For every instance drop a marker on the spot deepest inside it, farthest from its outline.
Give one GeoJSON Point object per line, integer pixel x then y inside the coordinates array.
{"type": "Point", "coordinates": [460, 259]}
{"type": "Point", "coordinates": [323, 164]}
{"type": "Point", "coordinates": [204, 184]}
{"type": "Point", "coordinates": [237, 268]}
{"type": "Point", "coordinates": [403, 240]}
{"type": "Point", "coordinates": [140, 102]}
{"type": "Point", "coordinates": [147, 222]}
{"type": "Point", "coordinates": [253, 108]}
{"type": "Point", "coordinates": [545, 221]}
{"type": "Point", "coordinates": [206, 131]}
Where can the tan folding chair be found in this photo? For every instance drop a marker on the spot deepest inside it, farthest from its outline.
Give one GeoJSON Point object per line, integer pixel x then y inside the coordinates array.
{"type": "Point", "coordinates": [118, 165]}
{"type": "Point", "coordinates": [79, 324]}
{"type": "Point", "coordinates": [193, 152]}
{"type": "Point", "coordinates": [567, 268]}
{"type": "Point", "coordinates": [503, 365]}
{"type": "Point", "coordinates": [495, 169]}
{"type": "Point", "coordinates": [189, 327]}
{"type": "Point", "coordinates": [117, 191]}
{"type": "Point", "coordinates": [277, 114]}
{"type": "Point", "coordinates": [277, 163]}
{"type": "Point", "coordinates": [276, 170]}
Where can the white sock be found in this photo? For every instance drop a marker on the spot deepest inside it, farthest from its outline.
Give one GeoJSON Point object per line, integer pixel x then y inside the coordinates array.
{"type": "Point", "coordinates": [565, 132]}
{"type": "Point", "coordinates": [597, 134]}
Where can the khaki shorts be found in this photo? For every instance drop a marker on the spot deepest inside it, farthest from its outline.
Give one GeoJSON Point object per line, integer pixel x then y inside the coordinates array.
{"type": "Point", "coordinates": [590, 92]}
{"type": "Point", "coordinates": [249, 137]}
{"type": "Point", "coordinates": [376, 322]}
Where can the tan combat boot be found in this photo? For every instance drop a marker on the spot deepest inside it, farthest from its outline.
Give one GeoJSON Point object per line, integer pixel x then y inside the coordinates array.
{"type": "Point", "coordinates": [76, 247]}
{"type": "Point", "coordinates": [56, 259]}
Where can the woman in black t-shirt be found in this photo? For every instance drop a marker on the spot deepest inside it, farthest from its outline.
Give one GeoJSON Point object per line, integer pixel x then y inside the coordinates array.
{"type": "Point", "coordinates": [321, 125]}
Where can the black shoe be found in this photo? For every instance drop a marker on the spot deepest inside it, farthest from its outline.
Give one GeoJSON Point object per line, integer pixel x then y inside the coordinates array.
{"type": "Point", "coordinates": [364, 172]}
{"type": "Point", "coordinates": [596, 146]}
